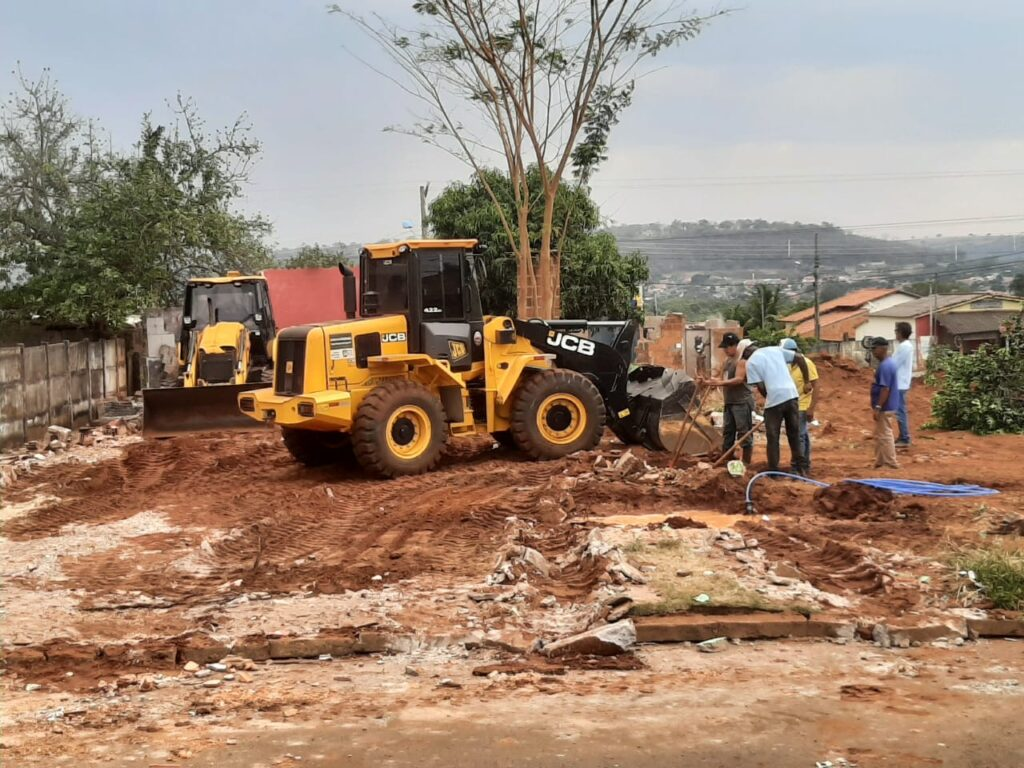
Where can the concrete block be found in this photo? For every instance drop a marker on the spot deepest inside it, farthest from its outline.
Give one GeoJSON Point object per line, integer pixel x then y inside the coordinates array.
{"type": "Point", "coordinates": [697, 628]}
{"type": "Point", "coordinates": [996, 627]}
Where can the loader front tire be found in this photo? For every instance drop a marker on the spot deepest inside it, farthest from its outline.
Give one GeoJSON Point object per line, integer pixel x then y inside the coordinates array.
{"type": "Point", "coordinates": [399, 429]}
{"type": "Point", "coordinates": [555, 413]}
{"type": "Point", "coordinates": [317, 449]}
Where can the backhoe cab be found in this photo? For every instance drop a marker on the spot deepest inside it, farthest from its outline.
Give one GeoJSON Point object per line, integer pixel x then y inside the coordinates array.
{"type": "Point", "coordinates": [420, 362]}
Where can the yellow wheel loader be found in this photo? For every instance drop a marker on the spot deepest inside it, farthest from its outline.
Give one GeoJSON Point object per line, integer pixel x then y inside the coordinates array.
{"type": "Point", "coordinates": [420, 363]}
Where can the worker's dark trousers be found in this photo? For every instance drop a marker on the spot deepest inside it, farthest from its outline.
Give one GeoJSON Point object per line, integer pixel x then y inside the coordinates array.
{"type": "Point", "coordinates": [774, 417]}
{"type": "Point", "coordinates": [738, 420]}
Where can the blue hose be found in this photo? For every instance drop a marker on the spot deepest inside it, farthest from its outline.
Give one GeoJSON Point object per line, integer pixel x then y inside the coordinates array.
{"type": "Point", "coordinates": [898, 487]}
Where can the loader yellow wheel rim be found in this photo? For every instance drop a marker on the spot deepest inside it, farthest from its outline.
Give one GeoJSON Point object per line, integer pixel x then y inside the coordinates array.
{"type": "Point", "coordinates": [561, 418]}
{"type": "Point", "coordinates": [408, 432]}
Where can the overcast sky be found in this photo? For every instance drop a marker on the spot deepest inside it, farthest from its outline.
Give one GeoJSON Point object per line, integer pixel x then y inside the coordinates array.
{"type": "Point", "coordinates": [886, 91]}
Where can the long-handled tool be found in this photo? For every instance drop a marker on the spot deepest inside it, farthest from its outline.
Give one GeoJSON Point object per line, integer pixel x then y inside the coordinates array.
{"type": "Point", "coordinates": [739, 441]}
{"type": "Point", "coordinates": [691, 415]}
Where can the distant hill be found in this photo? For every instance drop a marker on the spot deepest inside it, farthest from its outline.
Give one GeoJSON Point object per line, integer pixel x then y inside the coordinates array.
{"type": "Point", "coordinates": [679, 250]}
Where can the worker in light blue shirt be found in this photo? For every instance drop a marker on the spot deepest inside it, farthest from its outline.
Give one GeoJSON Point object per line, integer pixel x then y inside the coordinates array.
{"type": "Point", "coordinates": [885, 402]}
{"type": "Point", "coordinates": [904, 359]}
{"type": "Point", "coordinates": [768, 369]}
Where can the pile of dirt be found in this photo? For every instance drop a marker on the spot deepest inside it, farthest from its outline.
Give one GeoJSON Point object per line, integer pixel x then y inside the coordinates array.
{"type": "Point", "coordinates": [854, 501]}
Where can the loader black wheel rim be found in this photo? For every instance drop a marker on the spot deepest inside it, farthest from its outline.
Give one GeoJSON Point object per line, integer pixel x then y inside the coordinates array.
{"type": "Point", "coordinates": [408, 432]}
{"type": "Point", "coordinates": [561, 418]}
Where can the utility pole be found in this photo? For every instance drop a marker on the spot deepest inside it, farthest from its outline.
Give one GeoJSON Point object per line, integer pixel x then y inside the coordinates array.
{"type": "Point", "coordinates": [931, 310]}
{"type": "Point", "coordinates": [424, 229]}
{"type": "Point", "coordinates": [817, 305]}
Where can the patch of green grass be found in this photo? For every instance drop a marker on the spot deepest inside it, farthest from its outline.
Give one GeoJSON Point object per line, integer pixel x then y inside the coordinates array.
{"type": "Point", "coordinates": [675, 593]}
{"type": "Point", "coordinates": [1000, 574]}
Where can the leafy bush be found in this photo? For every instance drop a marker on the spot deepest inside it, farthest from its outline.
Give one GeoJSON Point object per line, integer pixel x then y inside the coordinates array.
{"type": "Point", "coordinates": [982, 392]}
{"type": "Point", "coordinates": [767, 337]}
{"type": "Point", "coordinates": [995, 574]}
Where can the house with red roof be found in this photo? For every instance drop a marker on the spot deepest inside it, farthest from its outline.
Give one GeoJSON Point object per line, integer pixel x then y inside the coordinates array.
{"type": "Point", "coordinates": [842, 318]}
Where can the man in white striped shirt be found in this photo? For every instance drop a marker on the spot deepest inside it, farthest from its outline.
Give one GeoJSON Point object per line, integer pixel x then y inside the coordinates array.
{"type": "Point", "coordinates": [904, 359]}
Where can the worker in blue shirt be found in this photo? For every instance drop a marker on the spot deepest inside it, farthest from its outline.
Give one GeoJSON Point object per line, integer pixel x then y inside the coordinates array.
{"type": "Point", "coordinates": [885, 402]}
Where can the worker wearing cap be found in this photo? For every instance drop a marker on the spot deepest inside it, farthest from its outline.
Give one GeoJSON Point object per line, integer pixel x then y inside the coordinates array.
{"type": "Point", "coordinates": [738, 415]}
{"type": "Point", "coordinates": [768, 368]}
{"type": "Point", "coordinates": [808, 400]}
{"type": "Point", "coordinates": [885, 402]}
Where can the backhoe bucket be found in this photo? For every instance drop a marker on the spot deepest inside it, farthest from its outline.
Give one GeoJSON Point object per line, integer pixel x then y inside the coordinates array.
{"type": "Point", "coordinates": [214, 408]}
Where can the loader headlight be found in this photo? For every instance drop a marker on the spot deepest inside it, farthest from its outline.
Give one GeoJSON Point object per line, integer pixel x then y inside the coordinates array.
{"type": "Point", "coordinates": [306, 409]}
{"type": "Point", "coordinates": [247, 404]}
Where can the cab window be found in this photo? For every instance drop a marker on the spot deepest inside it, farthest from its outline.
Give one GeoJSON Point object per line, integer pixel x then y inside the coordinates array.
{"type": "Point", "coordinates": [442, 283]}
{"type": "Point", "coordinates": [389, 279]}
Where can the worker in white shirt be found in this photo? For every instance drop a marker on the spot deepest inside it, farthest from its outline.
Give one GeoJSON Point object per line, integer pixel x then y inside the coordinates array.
{"type": "Point", "coordinates": [904, 359]}
{"type": "Point", "coordinates": [768, 369]}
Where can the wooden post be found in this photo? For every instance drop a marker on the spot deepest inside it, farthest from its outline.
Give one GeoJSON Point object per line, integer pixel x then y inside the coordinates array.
{"type": "Point", "coordinates": [67, 375]}
{"type": "Point", "coordinates": [49, 396]}
{"type": "Point", "coordinates": [24, 395]}
{"type": "Point", "coordinates": [88, 375]}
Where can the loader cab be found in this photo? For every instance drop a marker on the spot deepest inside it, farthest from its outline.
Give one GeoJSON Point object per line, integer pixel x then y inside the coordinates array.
{"type": "Point", "coordinates": [433, 284]}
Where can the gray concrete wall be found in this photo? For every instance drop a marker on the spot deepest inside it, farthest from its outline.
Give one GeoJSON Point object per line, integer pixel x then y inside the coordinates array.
{"type": "Point", "coordinates": [62, 384]}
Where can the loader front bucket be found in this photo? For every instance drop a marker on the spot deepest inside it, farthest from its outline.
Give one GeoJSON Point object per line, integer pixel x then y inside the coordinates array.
{"type": "Point", "coordinates": [658, 402]}
{"type": "Point", "coordinates": [214, 408]}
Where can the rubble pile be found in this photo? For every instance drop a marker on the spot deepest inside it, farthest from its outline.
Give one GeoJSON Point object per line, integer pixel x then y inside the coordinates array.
{"type": "Point", "coordinates": [62, 440]}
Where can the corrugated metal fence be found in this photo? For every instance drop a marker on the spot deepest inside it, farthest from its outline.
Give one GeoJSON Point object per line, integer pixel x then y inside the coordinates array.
{"type": "Point", "coordinates": [62, 384]}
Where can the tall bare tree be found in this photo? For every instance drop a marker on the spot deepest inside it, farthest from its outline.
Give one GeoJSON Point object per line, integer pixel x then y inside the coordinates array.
{"type": "Point", "coordinates": [527, 82]}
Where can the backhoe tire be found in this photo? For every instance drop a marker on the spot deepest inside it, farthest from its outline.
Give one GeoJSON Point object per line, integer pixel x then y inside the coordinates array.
{"type": "Point", "coordinates": [317, 449]}
{"type": "Point", "coordinates": [555, 413]}
{"type": "Point", "coordinates": [399, 429]}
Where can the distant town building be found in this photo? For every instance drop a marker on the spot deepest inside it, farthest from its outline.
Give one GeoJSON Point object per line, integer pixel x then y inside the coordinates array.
{"type": "Point", "coordinates": [842, 318]}
{"type": "Point", "coordinates": [963, 321]}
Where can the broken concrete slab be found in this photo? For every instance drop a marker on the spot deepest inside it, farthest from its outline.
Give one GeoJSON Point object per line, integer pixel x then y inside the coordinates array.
{"type": "Point", "coordinates": [606, 640]}
{"type": "Point", "coordinates": [685, 628]}
{"type": "Point", "coordinates": [996, 627]}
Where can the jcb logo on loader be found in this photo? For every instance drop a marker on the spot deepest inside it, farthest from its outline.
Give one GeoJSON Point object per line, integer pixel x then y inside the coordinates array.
{"type": "Point", "coordinates": [457, 349]}
{"type": "Point", "coordinates": [571, 343]}
{"type": "Point", "coordinates": [386, 337]}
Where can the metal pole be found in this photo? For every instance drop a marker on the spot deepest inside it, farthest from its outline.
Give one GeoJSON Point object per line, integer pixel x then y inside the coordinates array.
{"type": "Point", "coordinates": [817, 305]}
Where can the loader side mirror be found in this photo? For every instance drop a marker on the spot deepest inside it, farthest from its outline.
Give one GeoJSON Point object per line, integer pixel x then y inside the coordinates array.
{"type": "Point", "coordinates": [348, 287]}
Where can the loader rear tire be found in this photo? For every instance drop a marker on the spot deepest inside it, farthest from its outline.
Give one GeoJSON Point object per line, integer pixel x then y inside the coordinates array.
{"type": "Point", "coordinates": [555, 413]}
{"type": "Point", "coordinates": [399, 429]}
{"type": "Point", "coordinates": [317, 449]}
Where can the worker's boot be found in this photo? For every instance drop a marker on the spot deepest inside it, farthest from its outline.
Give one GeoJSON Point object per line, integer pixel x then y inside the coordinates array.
{"type": "Point", "coordinates": [748, 455]}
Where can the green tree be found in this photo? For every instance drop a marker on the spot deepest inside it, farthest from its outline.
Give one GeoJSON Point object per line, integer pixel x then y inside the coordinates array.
{"type": "Point", "coordinates": [48, 160]}
{"type": "Point", "coordinates": [316, 255]}
{"type": "Point", "coordinates": [1017, 284]}
{"type": "Point", "coordinates": [598, 282]}
{"type": "Point", "coordinates": [762, 310]}
{"type": "Point", "coordinates": [131, 228]}
{"type": "Point", "coordinates": [525, 83]}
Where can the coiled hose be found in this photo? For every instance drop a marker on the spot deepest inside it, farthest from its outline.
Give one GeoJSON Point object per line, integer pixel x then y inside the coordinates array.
{"type": "Point", "coordinates": [898, 487]}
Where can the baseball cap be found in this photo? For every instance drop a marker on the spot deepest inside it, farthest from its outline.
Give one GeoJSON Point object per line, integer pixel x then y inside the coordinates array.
{"type": "Point", "coordinates": [879, 341]}
{"type": "Point", "coordinates": [743, 345]}
{"type": "Point", "coordinates": [789, 343]}
{"type": "Point", "coordinates": [729, 340]}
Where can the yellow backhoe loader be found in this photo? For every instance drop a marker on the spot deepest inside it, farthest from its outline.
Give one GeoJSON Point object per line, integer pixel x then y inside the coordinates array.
{"type": "Point", "coordinates": [421, 363]}
{"type": "Point", "coordinates": [225, 347]}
